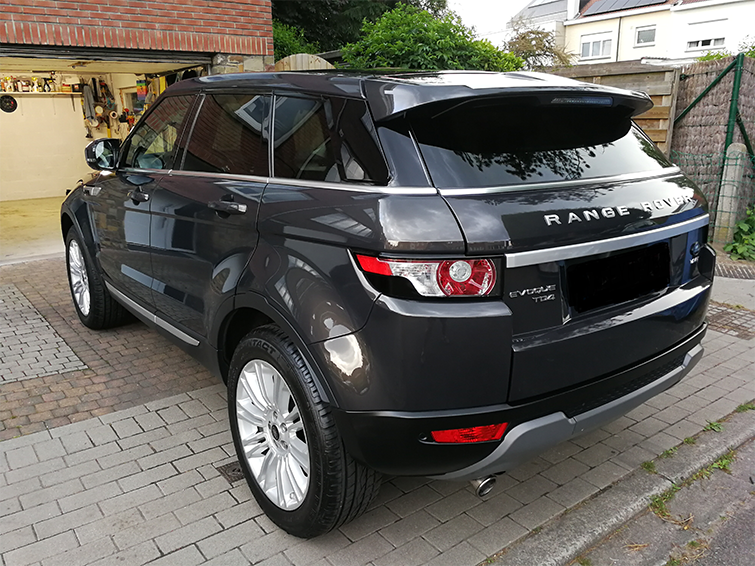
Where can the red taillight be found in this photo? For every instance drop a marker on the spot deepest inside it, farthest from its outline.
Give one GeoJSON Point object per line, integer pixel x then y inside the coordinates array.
{"type": "Point", "coordinates": [437, 278]}
{"type": "Point", "coordinates": [466, 277]}
{"type": "Point", "coordinates": [474, 434]}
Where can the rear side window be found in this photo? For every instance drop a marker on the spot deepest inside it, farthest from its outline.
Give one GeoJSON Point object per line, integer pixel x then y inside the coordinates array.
{"type": "Point", "coordinates": [497, 143]}
{"type": "Point", "coordinates": [154, 142]}
{"type": "Point", "coordinates": [230, 135]}
{"type": "Point", "coordinates": [326, 139]}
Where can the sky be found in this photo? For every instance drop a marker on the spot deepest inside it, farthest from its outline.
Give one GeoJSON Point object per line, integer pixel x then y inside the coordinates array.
{"type": "Point", "coordinates": [488, 17]}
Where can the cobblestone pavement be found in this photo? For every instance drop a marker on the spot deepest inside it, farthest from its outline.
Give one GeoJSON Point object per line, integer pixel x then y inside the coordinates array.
{"type": "Point", "coordinates": [117, 463]}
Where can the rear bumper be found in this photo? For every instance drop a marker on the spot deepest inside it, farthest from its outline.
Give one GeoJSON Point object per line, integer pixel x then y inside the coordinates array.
{"type": "Point", "coordinates": [397, 442]}
{"type": "Point", "coordinates": [529, 439]}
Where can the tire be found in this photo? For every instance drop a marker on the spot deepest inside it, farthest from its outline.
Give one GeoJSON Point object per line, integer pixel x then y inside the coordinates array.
{"type": "Point", "coordinates": [287, 442]}
{"type": "Point", "coordinates": [93, 303]}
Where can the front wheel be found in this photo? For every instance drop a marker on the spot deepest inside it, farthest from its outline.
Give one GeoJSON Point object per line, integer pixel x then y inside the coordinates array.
{"type": "Point", "coordinates": [287, 442]}
{"type": "Point", "coordinates": [95, 306]}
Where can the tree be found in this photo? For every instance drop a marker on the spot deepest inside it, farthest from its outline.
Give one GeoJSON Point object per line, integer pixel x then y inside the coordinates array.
{"type": "Point", "coordinates": [536, 47]}
{"type": "Point", "coordinates": [408, 37]}
{"type": "Point", "coordinates": [288, 40]}
{"type": "Point", "coordinates": [334, 23]}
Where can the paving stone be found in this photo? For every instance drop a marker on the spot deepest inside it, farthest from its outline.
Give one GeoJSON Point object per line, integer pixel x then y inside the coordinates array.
{"type": "Point", "coordinates": [39, 469]}
{"type": "Point", "coordinates": [188, 556]}
{"type": "Point", "coordinates": [53, 493]}
{"type": "Point", "coordinates": [231, 558]}
{"type": "Point", "coordinates": [133, 556]}
{"type": "Point", "coordinates": [9, 506]}
{"type": "Point", "coordinates": [85, 554]}
{"type": "Point", "coordinates": [92, 454]}
{"type": "Point", "coordinates": [207, 457]}
{"type": "Point", "coordinates": [413, 501]}
{"type": "Point", "coordinates": [361, 552]}
{"type": "Point", "coordinates": [76, 442]}
{"type": "Point", "coordinates": [187, 534]}
{"type": "Point", "coordinates": [38, 551]}
{"type": "Point", "coordinates": [604, 475]}
{"type": "Point", "coordinates": [528, 470]}
{"type": "Point", "coordinates": [497, 536]}
{"type": "Point", "coordinates": [61, 523]}
{"type": "Point", "coordinates": [17, 539]}
{"type": "Point", "coordinates": [180, 482]}
{"type": "Point", "coordinates": [164, 457]}
{"type": "Point", "coordinates": [52, 448]}
{"type": "Point", "coordinates": [449, 534]}
{"type": "Point", "coordinates": [21, 457]}
{"type": "Point", "coordinates": [231, 538]}
{"type": "Point", "coordinates": [101, 434]}
{"type": "Point", "coordinates": [597, 454]}
{"type": "Point", "coordinates": [369, 523]}
{"type": "Point", "coordinates": [413, 553]}
{"type": "Point", "coordinates": [19, 488]}
{"type": "Point", "coordinates": [238, 513]}
{"type": "Point", "coordinates": [536, 513]}
{"type": "Point", "coordinates": [529, 491]}
{"type": "Point", "coordinates": [88, 497]}
{"type": "Point", "coordinates": [460, 555]}
{"type": "Point", "coordinates": [494, 508]}
{"type": "Point", "coordinates": [28, 517]}
{"type": "Point", "coordinates": [145, 530]}
{"type": "Point", "coordinates": [573, 492]}
{"type": "Point", "coordinates": [149, 437]}
{"type": "Point", "coordinates": [130, 499]}
{"type": "Point", "coordinates": [565, 471]}
{"type": "Point", "coordinates": [309, 552]}
{"type": "Point", "coordinates": [153, 475]}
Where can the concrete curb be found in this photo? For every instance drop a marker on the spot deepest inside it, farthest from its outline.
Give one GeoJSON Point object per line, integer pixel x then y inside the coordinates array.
{"type": "Point", "coordinates": [567, 536]}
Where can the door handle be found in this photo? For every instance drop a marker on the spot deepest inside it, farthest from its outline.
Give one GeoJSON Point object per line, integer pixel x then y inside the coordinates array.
{"type": "Point", "coordinates": [91, 191]}
{"type": "Point", "coordinates": [138, 196]}
{"type": "Point", "coordinates": [227, 206]}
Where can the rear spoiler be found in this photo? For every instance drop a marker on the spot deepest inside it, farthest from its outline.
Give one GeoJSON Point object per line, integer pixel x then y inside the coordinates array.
{"type": "Point", "coordinates": [392, 96]}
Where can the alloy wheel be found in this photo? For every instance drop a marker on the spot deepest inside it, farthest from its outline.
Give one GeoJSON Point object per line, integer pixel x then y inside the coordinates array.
{"type": "Point", "coordinates": [272, 434]}
{"type": "Point", "coordinates": [79, 280]}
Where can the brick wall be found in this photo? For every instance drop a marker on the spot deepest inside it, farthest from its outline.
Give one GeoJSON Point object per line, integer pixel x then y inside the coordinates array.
{"type": "Point", "coordinates": [241, 27]}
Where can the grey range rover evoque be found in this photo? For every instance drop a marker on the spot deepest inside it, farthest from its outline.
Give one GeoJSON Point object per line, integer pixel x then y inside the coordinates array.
{"type": "Point", "coordinates": [429, 274]}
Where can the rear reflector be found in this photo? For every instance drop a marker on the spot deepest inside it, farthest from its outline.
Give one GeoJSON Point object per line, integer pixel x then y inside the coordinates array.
{"type": "Point", "coordinates": [474, 434]}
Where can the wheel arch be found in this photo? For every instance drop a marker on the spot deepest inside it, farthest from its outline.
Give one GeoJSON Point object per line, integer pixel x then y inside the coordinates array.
{"type": "Point", "coordinates": [251, 311]}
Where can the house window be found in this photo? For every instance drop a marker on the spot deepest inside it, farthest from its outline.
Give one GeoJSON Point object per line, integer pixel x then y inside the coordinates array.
{"type": "Point", "coordinates": [644, 36]}
{"type": "Point", "coordinates": [596, 46]}
{"type": "Point", "coordinates": [705, 36]}
{"type": "Point", "coordinates": [706, 43]}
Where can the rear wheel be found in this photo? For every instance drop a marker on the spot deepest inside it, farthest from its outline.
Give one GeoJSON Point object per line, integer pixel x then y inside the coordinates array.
{"type": "Point", "coordinates": [94, 305]}
{"type": "Point", "coordinates": [287, 442]}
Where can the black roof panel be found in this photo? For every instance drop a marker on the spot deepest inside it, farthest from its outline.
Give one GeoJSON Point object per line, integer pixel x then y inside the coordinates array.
{"type": "Point", "coordinates": [606, 6]}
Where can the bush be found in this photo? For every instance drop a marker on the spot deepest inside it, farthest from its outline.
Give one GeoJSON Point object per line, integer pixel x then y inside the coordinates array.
{"type": "Point", "coordinates": [289, 40]}
{"type": "Point", "coordinates": [743, 246]}
{"type": "Point", "coordinates": [409, 38]}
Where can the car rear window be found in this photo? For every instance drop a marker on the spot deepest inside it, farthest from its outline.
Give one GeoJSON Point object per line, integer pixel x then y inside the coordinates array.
{"type": "Point", "coordinates": [490, 143]}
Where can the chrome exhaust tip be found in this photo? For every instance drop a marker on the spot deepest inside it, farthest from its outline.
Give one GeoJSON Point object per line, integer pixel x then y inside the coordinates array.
{"type": "Point", "coordinates": [483, 486]}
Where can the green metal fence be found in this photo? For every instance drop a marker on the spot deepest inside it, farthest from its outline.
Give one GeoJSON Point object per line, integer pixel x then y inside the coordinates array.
{"type": "Point", "coordinates": [728, 198]}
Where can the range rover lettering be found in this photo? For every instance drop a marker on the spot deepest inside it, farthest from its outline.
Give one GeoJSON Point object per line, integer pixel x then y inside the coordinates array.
{"type": "Point", "coordinates": [428, 274]}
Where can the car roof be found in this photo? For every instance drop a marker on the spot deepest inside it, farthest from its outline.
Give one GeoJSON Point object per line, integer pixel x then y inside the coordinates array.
{"type": "Point", "coordinates": [392, 93]}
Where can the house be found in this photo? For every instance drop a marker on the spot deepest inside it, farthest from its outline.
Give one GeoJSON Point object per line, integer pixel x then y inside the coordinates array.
{"type": "Point", "coordinates": [604, 31]}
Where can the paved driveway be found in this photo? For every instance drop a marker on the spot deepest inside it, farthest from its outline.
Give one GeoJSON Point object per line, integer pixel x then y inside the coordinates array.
{"type": "Point", "coordinates": [111, 444]}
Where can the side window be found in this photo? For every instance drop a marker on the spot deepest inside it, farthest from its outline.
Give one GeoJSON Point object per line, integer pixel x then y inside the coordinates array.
{"type": "Point", "coordinates": [155, 141]}
{"type": "Point", "coordinates": [230, 135]}
{"type": "Point", "coordinates": [328, 139]}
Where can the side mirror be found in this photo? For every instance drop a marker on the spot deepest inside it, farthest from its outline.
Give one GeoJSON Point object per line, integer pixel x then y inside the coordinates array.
{"type": "Point", "coordinates": [102, 154]}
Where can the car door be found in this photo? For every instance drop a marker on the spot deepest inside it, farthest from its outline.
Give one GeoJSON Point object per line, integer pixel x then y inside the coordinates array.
{"type": "Point", "coordinates": [120, 200]}
{"type": "Point", "coordinates": [204, 212]}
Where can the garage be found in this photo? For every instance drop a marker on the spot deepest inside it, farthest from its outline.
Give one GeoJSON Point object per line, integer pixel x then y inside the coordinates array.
{"type": "Point", "coordinates": [55, 102]}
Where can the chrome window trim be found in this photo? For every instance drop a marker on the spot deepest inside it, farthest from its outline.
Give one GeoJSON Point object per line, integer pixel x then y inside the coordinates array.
{"type": "Point", "coordinates": [354, 187]}
{"type": "Point", "coordinates": [623, 178]}
{"type": "Point", "coordinates": [229, 176]}
{"type": "Point", "coordinates": [151, 316]}
{"type": "Point", "coordinates": [150, 171]}
{"type": "Point", "coordinates": [536, 257]}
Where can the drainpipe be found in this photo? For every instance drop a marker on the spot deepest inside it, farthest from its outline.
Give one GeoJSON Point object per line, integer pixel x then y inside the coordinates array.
{"type": "Point", "coordinates": [618, 40]}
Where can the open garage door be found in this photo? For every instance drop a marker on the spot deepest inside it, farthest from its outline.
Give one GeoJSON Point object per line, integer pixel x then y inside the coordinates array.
{"type": "Point", "coordinates": [56, 100]}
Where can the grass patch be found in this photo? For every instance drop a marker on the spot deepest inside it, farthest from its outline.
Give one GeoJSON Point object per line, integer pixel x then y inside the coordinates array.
{"type": "Point", "coordinates": [724, 462]}
{"type": "Point", "coordinates": [582, 561]}
{"type": "Point", "coordinates": [649, 467]}
{"type": "Point", "coordinates": [668, 453]}
{"type": "Point", "coordinates": [673, 562]}
{"type": "Point", "coordinates": [745, 407]}
{"type": "Point", "coordinates": [658, 502]}
{"type": "Point", "coordinates": [714, 426]}
{"type": "Point", "coordinates": [689, 440]}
